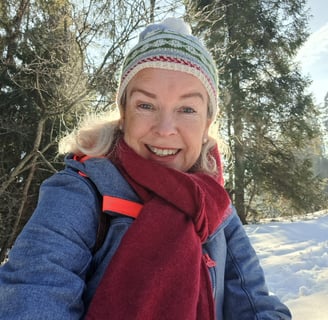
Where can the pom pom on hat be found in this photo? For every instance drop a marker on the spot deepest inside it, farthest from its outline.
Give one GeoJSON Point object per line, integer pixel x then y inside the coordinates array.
{"type": "Point", "coordinates": [177, 25]}
{"type": "Point", "coordinates": [170, 45]}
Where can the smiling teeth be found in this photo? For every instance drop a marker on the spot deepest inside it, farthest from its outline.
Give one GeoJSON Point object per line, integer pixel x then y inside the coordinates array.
{"type": "Point", "coordinates": [163, 152]}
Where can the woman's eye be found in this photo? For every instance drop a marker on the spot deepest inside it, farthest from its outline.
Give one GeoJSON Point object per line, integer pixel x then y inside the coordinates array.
{"type": "Point", "coordinates": [145, 106]}
{"type": "Point", "coordinates": [187, 110]}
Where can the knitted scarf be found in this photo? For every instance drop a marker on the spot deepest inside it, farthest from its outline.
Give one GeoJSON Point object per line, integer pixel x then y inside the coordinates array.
{"type": "Point", "coordinates": [159, 272]}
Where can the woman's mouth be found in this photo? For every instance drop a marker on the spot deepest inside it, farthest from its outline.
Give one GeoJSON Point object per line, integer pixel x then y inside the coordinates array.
{"type": "Point", "coordinates": [162, 152]}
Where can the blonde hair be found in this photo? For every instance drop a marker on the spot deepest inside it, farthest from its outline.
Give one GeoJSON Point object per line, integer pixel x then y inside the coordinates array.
{"type": "Point", "coordinates": [97, 135]}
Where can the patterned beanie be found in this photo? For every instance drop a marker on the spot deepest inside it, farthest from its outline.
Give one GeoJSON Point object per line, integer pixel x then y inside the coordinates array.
{"type": "Point", "coordinates": [170, 45]}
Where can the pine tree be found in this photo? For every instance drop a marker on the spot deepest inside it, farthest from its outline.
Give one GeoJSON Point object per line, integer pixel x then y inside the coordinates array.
{"type": "Point", "coordinates": [324, 124]}
{"type": "Point", "coordinates": [269, 119]}
{"type": "Point", "coordinates": [59, 60]}
{"type": "Point", "coordinates": [40, 77]}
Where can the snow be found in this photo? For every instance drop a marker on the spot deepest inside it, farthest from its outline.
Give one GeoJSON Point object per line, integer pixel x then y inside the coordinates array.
{"type": "Point", "coordinates": [294, 256]}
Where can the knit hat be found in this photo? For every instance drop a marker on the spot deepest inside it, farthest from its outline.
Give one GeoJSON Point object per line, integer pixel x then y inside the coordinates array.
{"type": "Point", "coordinates": [170, 45]}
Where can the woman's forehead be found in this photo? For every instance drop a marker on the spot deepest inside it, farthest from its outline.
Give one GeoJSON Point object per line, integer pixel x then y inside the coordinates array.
{"type": "Point", "coordinates": [157, 79]}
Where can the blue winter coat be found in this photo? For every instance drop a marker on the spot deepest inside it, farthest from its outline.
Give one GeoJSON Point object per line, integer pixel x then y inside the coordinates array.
{"type": "Point", "coordinates": [52, 272]}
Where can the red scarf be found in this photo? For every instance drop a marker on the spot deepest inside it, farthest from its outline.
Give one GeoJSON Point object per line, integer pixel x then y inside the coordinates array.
{"type": "Point", "coordinates": [159, 272]}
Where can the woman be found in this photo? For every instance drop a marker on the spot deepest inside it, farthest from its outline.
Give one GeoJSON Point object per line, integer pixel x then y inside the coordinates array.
{"type": "Point", "coordinates": [175, 248]}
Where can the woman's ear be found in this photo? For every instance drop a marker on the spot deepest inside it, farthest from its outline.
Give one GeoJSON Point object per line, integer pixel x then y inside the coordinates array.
{"type": "Point", "coordinates": [207, 128]}
{"type": "Point", "coordinates": [122, 117]}
{"type": "Point", "coordinates": [121, 123]}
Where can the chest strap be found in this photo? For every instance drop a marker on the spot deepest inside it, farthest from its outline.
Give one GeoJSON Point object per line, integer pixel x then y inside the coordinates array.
{"type": "Point", "coordinates": [114, 204]}
{"type": "Point", "coordinates": [122, 206]}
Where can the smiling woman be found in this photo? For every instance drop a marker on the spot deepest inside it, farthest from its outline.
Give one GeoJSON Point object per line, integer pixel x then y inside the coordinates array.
{"type": "Point", "coordinates": [173, 245]}
{"type": "Point", "coordinates": [165, 117]}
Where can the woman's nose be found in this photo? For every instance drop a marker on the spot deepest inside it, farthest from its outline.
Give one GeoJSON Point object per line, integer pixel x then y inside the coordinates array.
{"type": "Point", "coordinates": [165, 125]}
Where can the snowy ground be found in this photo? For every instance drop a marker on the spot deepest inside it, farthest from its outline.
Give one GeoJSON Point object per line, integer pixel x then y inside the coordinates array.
{"type": "Point", "coordinates": [294, 256]}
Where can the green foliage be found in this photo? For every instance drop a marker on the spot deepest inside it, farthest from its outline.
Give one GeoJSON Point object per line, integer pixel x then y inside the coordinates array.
{"type": "Point", "coordinates": [269, 120]}
{"type": "Point", "coordinates": [59, 59]}
{"type": "Point", "coordinates": [40, 74]}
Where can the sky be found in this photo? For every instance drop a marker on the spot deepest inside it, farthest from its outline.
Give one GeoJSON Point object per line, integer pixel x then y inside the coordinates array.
{"type": "Point", "coordinates": [313, 55]}
{"type": "Point", "coordinates": [294, 256]}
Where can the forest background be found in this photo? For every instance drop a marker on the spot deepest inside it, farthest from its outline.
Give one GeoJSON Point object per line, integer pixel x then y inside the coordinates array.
{"type": "Point", "coordinates": [60, 60]}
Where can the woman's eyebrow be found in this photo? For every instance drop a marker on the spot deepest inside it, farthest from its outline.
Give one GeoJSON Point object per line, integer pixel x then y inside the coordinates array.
{"type": "Point", "coordinates": [193, 95]}
{"type": "Point", "coordinates": [145, 92]}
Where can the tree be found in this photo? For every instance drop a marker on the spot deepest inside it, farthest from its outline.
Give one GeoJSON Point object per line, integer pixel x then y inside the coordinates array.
{"type": "Point", "coordinates": [40, 81]}
{"type": "Point", "coordinates": [324, 124]}
{"type": "Point", "coordinates": [59, 59]}
{"type": "Point", "coordinates": [269, 119]}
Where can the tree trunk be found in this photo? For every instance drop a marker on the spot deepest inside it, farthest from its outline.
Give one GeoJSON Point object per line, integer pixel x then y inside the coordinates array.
{"type": "Point", "coordinates": [152, 11]}
{"type": "Point", "coordinates": [33, 166]}
{"type": "Point", "coordinates": [237, 112]}
{"type": "Point", "coordinates": [239, 185]}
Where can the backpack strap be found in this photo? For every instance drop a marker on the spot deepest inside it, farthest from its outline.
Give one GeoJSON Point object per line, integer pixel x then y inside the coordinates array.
{"type": "Point", "coordinates": [121, 206]}
{"type": "Point", "coordinates": [103, 227]}
{"type": "Point", "coordinates": [110, 204]}
{"type": "Point", "coordinates": [118, 205]}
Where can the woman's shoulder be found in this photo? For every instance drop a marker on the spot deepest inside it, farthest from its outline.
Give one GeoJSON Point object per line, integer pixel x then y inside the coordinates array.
{"type": "Point", "coordinates": [231, 218]}
{"type": "Point", "coordinates": [67, 184]}
{"type": "Point", "coordinates": [103, 174]}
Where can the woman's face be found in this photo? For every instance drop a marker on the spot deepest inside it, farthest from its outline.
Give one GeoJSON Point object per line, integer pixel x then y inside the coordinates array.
{"type": "Point", "coordinates": [165, 117]}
